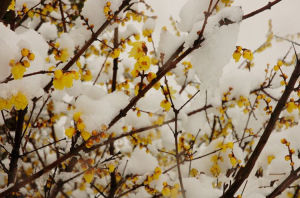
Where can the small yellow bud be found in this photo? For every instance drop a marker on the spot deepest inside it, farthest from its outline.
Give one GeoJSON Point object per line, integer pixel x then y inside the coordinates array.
{"type": "Point", "coordinates": [31, 56]}
{"type": "Point", "coordinates": [25, 52]}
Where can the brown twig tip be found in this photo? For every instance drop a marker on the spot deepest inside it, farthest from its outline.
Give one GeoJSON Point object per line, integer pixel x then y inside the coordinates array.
{"type": "Point", "coordinates": [266, 7]}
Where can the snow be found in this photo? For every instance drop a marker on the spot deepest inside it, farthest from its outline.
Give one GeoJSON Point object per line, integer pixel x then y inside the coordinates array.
{"type": "Point", "coordinates": [191, 12]}
{"type": "Point", "coordinates": [95, 113]}
{"type": "Point", "coordinates": [48, 31]}
{"type": "Point", "coordinates": [149, 24]}
{"type": "Point", "coordinates": [11, 46]}
{"type": "Point", "coordinates": [168, 44]}
{"type": "Point", "coordinates": [136, 166]}
{"type": "Point", "coordinates": [217, 48]}
{"type": "Point", "coordinates": [93, 10]}
{"type": "Point", "coordinates": [66, 42]}
{"type": "Point", "coordinates": [202, 186]}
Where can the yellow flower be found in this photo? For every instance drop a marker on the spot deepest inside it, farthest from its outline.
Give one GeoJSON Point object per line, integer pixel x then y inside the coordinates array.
{"type": "Point", "coordinates": [19, 101]}
{"type": "Point", "coordinates": [62, 80]}
{"type": "Point", "coordinates": [111, 168]}
{"type": "Point", "coordinates": [76, 116]}
{"type": "Point", "coordinates": [291, 106]}
{"type": "Point", "coordinates": [82, 186]}
{"type": "Point", "coordinates": [12, 5]}
{"type": "Point", "coordinates": [64, 55]}
{"type": "Point", "coordinates": [26, 63]}
{"type": "Point", "coordinates": [18, 71]}
{"type": "Point", "coordinates": [25, 52]}
{"type": "Point", "coordinates": [80, 126]}
{"type": "Point", "coordinates": [236, 55]}
{"type": "Point", "coordinates": [134, 73]}
{"type": "Point", "coordinates": [31, 56]}
{"type": "Point", "coordinates": [283, 141]}
{"type": "Point", "coordinates": [58, 84]}
{"type": "Point", "coordinates": [287, 158]}
{"type": "Point", "coordinates": [5, 104]}
{"type": "Point", "coordinates": [116, 53]}
{"type": "Point", "coordinates": [143, 63]}
{"type": "Point", "coordinates": [87, 76]}
{"type": "Point", "coordinates": [89, 143]}
{"type": "Point", "coordinates": [85, 134]}
{"type": "Point", "coordinates": [166, 191]}
{"type": "Point", "coordinates": [70, 132]}
{"type": "Point", "coordinates": [166, 105]}
{"type": "Point", "coordinates": [270, 158]}
{"type": "Point", "coordinates": [193, 172]}
{"type": "Point", "coordinates": [138, 50]}
{"type": "Point", "coordinates": [68, 80]}
{"type": "Point", "coordinates": [151, 76]}
{"type": "Point", "coordinates": [247, 54]}
{"type": "Point", "coordinates": [58, 74]}
{"type": "Point", "coordinates": [279, 63]}
{"type": "Point", "coordinates": [157, 173]}
{"type": "Point", "coordinates": [88, 176]}
{"type": "Point", "coordinates": [147, 32]}
{"type": "Point", "coordinates": [215, 170]}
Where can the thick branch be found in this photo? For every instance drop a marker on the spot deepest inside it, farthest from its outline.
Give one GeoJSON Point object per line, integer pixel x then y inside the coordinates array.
{"type": "Point", "coordinates": [3, 7]}
{"type": "Point", "coordinates": [13, 165]}
{"type": "Point", "coordinates": [41, 172]}
{"type": "Point", "coordinates": [115, 67]}
{"type": "Point", "coordinates": [62, 16]}
{"type": "Point", "coordinates": [244, 172]}
{"type": "Point", "coordinates": [285, 184]}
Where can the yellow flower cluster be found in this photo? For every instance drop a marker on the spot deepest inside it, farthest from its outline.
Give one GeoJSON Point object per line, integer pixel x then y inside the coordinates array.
{"type": "Point", "coordinates": [115, 53]}
{"type": "Point", "coordinates": [18, 69]}
{"type": "Point", "coordinates": [89, 175]}
{"type": "Point", "coordinates": [169, 191]}
{"type": "Point", "coordinates": [268, 42]}
{"type": "Point", "coordinates": [62, 80]}
{"type": "Point", "coordinates": [278, 65]}
{"type": "Point", "coordinates": [12, 5]}
{"type": "Point", "coordinates": [61, 55]}
{"type": "Point", "coordinates": [80, 126]}
{"type": "Point", "coordinates": [291, 106]}
{"type": "Point", "coordinates": [154, 176]}
{"type": "Point", "coordinates": [18, 101]}
{"type": "Point", "coordinates": [243, 101]}
{"type": "Point", "coordinates": [187, 66]}
{"type": "Point", "coordinates": [247, 54]}
{"type": "Point", "coordinates": [139, 52]}
{"type": "Point", "coordinates": [24, 10]}
{"type": "Point", "coordinates": [138, 49]}
{"type": "Point", "coordinates": [134, 16]}
{"type": "Point", "coordinates": [233, 160]}
{"type": "Point", "coordinates": [226, 146]}
{"type": "Point", "coordinates": [215, 168]}
{"type": "Point", "coordinates": [148, 33]}
{"type": "Point", "coordinates": [227, 2]}
{"type": "Point", "coordinates": [111, 168]}
{"type": "Point", "coordinates": [291, 151]}
{"type": "Point", "coordinates": [107, 11]}
{"type": "Point", "coordinates": [85, 74]}
{"type": "Point", "coordinates": [138, 87]}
